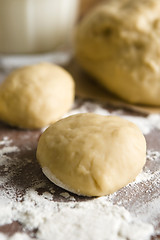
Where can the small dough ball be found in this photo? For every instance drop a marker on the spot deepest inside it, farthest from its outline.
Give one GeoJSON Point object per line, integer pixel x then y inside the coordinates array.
{"type": "Point", "coordinates": [35, 96]}
{"type": "Point", "coordinates": [118, 43]}
{"type": "Point", "coordinates": [92, 155]}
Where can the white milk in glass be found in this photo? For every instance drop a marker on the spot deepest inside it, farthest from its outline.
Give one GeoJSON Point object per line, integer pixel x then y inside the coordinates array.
{"type": "Point", "coordinates": [35, 26]}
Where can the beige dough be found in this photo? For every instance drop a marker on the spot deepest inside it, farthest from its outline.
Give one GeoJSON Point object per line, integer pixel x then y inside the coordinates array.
{"type": "Point", "coordinates": [92, 155]}
{"type": "Point", "coordinates": [35, 96]}
{"type": "Point", "coordinates": [118, 43]}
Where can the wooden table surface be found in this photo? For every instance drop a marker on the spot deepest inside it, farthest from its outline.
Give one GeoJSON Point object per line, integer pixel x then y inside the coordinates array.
{"type": "Point", "coordinates": [27, 175]}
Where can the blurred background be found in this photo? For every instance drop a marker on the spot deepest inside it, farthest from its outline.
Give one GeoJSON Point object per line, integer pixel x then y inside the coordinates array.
{"type": "Point", "coordinates": [31, 32]}
{"type": "Point", "coordinates": [86, 5]}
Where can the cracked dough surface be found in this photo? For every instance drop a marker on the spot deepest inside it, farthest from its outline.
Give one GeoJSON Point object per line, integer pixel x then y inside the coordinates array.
{"type": "Point", "coordinates": [118, 44]}
{"type": "Point", "coordinates": [92, 155]}
{"type": "Point", "coordinates": [35, 96]}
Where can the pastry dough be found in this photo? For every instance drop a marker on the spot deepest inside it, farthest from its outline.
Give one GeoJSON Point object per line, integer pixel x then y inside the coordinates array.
{"type": "Point", "coordinates": [35, 96]}
{"type": "Point", "coordinates": [118, 44]}
{"type": "Point", "coordinates": [92, 155]}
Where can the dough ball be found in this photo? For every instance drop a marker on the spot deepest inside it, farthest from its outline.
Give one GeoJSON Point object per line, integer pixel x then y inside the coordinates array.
{"type": "Point", "coordinates": [35, 96]}
{"type": "Point", "coordinates": [92, 155]}
{"type": "Point", "coordinates": [118, 43]}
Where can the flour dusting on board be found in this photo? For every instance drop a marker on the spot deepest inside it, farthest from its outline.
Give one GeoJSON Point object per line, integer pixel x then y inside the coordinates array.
{"type": "Point", "coordinates": [114, 216]}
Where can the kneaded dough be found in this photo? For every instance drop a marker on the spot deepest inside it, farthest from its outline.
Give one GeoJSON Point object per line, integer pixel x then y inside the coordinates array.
{"type": "Point", "coordinates": [92, 155]}
{"type": "Point", "coordinates": [118, 44]}
{"type": "Point", "coordinates": [35, 96]}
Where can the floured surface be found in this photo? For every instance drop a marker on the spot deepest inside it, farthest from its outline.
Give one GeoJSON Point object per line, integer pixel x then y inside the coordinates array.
{"type": "Point", "coordinates": [37, 209]}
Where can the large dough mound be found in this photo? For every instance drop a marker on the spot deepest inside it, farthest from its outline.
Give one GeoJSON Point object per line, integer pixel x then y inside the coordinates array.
{"type": "Point", "coordinates": [35, 96]}
{"type": "Point", "coordinates": [119, 44]}
{"type": "Point", "coordinates": [90, 154]}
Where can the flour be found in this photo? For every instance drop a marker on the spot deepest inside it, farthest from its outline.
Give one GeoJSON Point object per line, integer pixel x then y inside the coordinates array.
{"type": "Point", "coordinates": [142, 177]}
{"type": "Point", "coordinates": [5, 149]}
{"type": "Point", "coordinates": [97, 218]}
{"type": "Point", "coordinates": [87, 107]}
{"type": "Point", "coordinates": [4, 158]}
{"type": "Point", "coordinates": [94, 219]}
{"type": "Point", "coordinates": [65, 194]}
{"type": "Point", "coordinates": [146, 124]}
{"type": "Point", "coordinates": [6, 141]}
{"type": "Point", "coordinates": [16, 236]}
{"type": "Point", "coordinates": [153, 155]}
{"type": "Point", "coordinates": [151, 208]}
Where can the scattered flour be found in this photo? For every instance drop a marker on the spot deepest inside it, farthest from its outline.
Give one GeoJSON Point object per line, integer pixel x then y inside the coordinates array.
{"type": "Point", "coordinates": [146, 124]}
{"type": "Point", "coordinates": [93, 219]}
{"type": "Point", "coordinates": [48, 195]}
{"type": "Point", "coordinates": [65, 194]}
{"type": "Point", "coordinates": [70, 219]}
{"type": "Point", "coordinates": [142, 177]}
{"type": "Point", "coordinates": [6, 141]}
{"type": "Point", "coordinates": [16, 236]}
{"type": "Point", "coordinates": [153, 155]}
{"type": "Point", "coordinates": [88, 107]}
{"type": "Point", "coordinates": [148, 211]}
{"type": "Point", "coordinates": [6, 150]}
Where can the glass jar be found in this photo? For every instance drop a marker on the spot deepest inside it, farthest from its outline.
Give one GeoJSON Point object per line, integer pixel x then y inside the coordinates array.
{"type": "Point", "coordinates": [34, 27]}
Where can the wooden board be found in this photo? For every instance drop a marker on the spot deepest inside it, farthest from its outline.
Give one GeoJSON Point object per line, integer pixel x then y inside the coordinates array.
{"type": "Point", "coordinates": [27, 173]}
